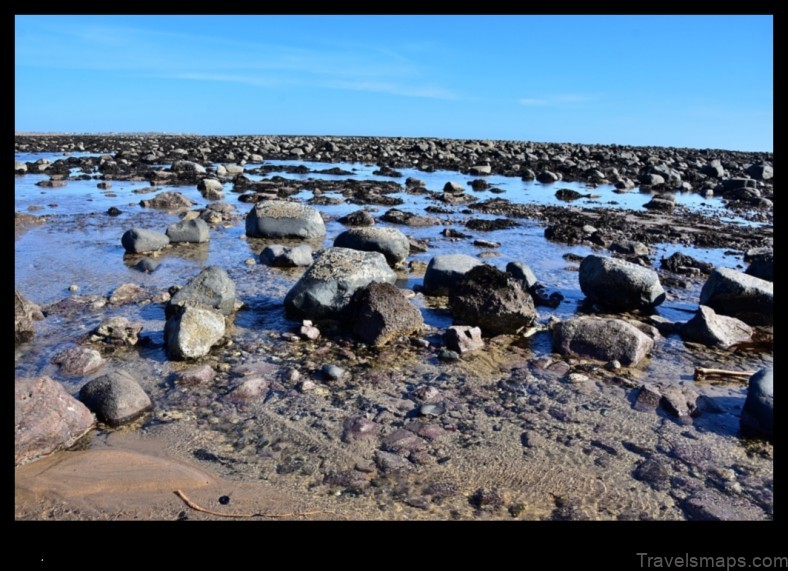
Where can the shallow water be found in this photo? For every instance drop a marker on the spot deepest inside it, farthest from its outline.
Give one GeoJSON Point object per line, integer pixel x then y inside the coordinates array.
{"type": "Point", "coordinates": [80, 244]}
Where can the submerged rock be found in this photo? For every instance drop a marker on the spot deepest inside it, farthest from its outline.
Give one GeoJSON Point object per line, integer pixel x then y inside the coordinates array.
{"type": "Point", "coordinates": [619, 284]}
{"type": "Point", "coordinates": [326, 288]}
{"type": "Point", "coordinates": [78, 361]}
{"type": "Point", "coordinates": [46, 418]}
{"type": "Point", "coordinates": [170, 200]}
{"type": "Point", "coordinates": [116, 398]}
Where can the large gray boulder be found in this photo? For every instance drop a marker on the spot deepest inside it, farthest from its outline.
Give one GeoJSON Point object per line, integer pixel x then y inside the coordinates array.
{"type": "Point", "coordinates": [142, 241]}
{"type": "Point", "coordinates": [326, 288]}
{"type": "Point", "coordinates": [716, 330]}
{"type": "Point", "coordinates": [211, 288]}
{"type": "Point", "coordinates": [740, 295]}
{"type": "Point", "coordinates": [46, 419]}
{"type": "Point", "coordinates": [115, 398]}
{"type": "Point", "coordinates": [25, 312]}
{"type": "Point", "coordinates": [492, 300]}
{"type": "Point", "coordinates": [191, 331]}
{"type": "Point", "coordinates": [195, 231]}
{"type": "Point", "coordinates": [603, 339]}
{"type": "Point", "coordinates": [445, 270]}
{"type": "Point", "coordinates": [382, 314]}
{"type": "Point", "coordinates": [757, 416]}
{"type": "Point", "coordinates": [281, 256]}
{"type": "Point", "coordinates": [388, 241]}
{"type": "Point", "coordinates": [282, 219]}
{"type": "Point", "coordinates": [619, 284]}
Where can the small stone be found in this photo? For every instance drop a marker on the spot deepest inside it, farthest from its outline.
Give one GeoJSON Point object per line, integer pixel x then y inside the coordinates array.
{"type": "Point", "coordinates": [332, 372]}
{"type": "Point", "coordinates": [73, 287]}
{"type": "Point", "coordinates": [306, 386]}
{"type": "Point", "coordinates": [463, 339]}
{"type": "Point", "coordinates": [648, 399]}
{"type": "Point", "coordinates": [448, 356]}
{"type": "Point", "coordinates": [196, 376]}
{"type": "Point", "coordinates": [431, 409]}
{"type": "Point", "coordinates": [309, 331]}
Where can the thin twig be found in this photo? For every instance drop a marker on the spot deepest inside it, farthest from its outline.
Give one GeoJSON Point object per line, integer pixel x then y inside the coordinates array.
{"type": "Point", "coordinates": [198, 508]}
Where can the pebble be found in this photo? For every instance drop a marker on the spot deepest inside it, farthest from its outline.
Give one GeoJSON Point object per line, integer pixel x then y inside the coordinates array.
{"type": "Point", "coordinates": [333, 372]}
{"type": "Point", "coordinates": [448, 356]}
{"type": "Point", "coordinates": [73, 287]}
{"type": "Point", "coordinates": [432, 409]}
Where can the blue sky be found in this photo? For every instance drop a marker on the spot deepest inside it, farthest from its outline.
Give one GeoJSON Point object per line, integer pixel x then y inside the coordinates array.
{"type": "Point", "coordinates": [702, 81]}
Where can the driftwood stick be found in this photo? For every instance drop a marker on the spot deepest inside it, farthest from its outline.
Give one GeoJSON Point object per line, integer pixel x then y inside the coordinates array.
{"type": "Point", "coordinates": [199, 508]}
{"type": "Point", "coordinates": [701, 373]}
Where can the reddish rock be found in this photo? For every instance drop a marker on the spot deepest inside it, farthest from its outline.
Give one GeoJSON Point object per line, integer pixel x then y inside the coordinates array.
{"type": "Point", "coordinates": [46, 419]}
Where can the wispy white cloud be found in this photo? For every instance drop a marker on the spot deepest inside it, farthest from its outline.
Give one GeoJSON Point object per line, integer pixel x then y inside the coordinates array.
{"type": "Point", "coordinates": [556, 100]}
{"type": "Point", "coordinates": [417, 90]}
{"type": "Point", "coordinates": [106, 47]}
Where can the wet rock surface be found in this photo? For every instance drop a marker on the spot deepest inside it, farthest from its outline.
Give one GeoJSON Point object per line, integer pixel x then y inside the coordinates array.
{"type": "Point", "coordinates": [409, 429]}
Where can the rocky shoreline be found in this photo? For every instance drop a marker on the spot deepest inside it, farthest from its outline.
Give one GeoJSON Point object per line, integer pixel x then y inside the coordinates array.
{"type": "Point", "coordinates": [349, 400]}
